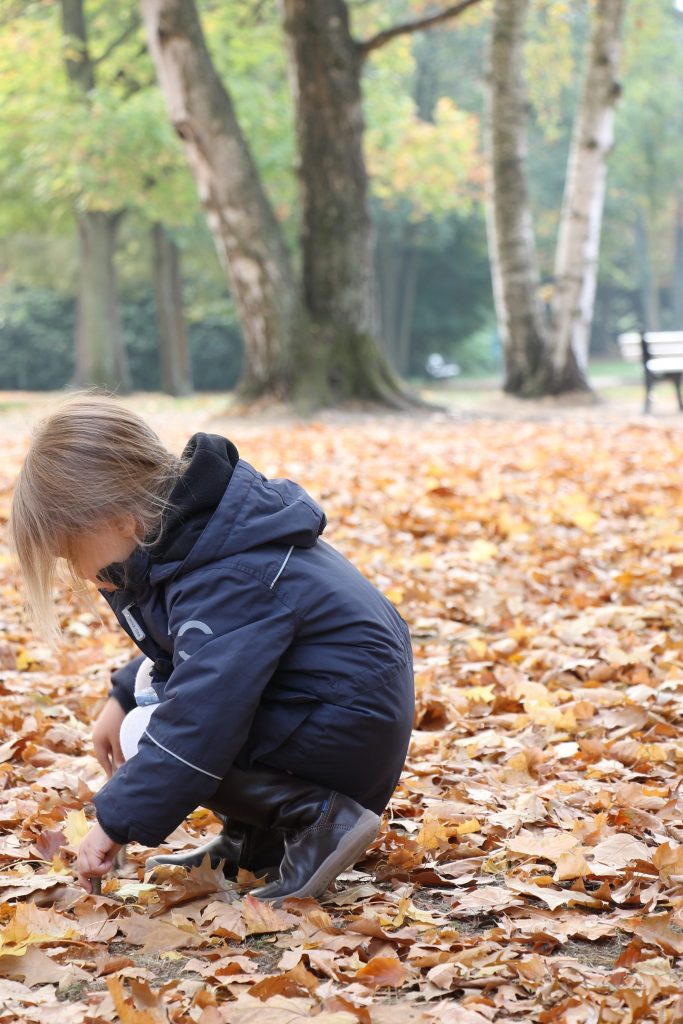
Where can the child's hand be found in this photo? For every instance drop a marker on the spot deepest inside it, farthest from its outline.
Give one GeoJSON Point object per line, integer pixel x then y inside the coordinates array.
{"type": "Point", "coordinates": [105, 736]}
{"type": "Point", "coordinates": [96, 854]}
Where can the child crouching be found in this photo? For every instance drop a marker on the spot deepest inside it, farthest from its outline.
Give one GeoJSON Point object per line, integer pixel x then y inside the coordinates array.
{"type": "Point", "coordinates": [279, 679]}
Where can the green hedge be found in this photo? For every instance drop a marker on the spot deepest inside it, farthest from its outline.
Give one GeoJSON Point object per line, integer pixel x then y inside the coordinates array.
{"type": "Point", "coordinates": [37, 344]}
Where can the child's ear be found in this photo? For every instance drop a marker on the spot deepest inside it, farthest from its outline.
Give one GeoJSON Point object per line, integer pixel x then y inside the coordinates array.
{"type": "Point", "coordinates": [128, 526]}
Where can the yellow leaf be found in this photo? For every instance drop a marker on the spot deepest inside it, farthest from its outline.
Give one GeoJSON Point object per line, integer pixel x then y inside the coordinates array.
{"type": "Point", "coordinates": [482, 550]}
{"type": "Point", "coordinates": [395, 594]}
{"type": "Point", "coordinates": [480, 694]}
{"type": "Point", "coordinates": [432, 835]}
{"type": "Point", "coordinates": [76, 827]}
{"type": "Point", "coordinates": [465, 827]}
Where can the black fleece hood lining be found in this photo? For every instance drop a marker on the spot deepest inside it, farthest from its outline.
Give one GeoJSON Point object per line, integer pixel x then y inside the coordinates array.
{"type": "Point", "coordinates": [196, 495]}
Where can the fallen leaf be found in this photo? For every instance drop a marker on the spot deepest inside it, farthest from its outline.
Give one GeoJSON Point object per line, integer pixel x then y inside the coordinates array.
{"type": "Point", "coordinates": [382, 972]}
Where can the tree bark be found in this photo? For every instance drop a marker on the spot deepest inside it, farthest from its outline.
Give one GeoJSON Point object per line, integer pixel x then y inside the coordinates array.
{"type": "Point", "coordinates": [176, 371]}
{"type": "Point", "coordinates": [339, 286]}
{"type": "Point", "coordinates": [578, 243]}
{"type": "Point", "coordinates": [100, 357]}
{"type": "Point", "coordinates": [514, 264]}
{"type": "Point", "coordinates": [100, 353]}
{"type": "Point", "coordinates": [648, 285]}
{"type": "Point", "coordinates": [246, 232]}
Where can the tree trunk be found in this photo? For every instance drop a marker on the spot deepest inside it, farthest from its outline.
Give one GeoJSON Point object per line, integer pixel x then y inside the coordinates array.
{"type": "Point", "coordinates": [410, 262]}
{"type": "Point", "coordinates": [648, 287]}
{"type": "Point", "coordinates": [245, 229]}
{"type": "Point", "coordinates": [578, 243]}
{"type": "Point", "coordinates": [100, 357]}
{"type": "Point", "coordinates": [339, 285]}
{"type": "Point", "coordinates": [388, 274]}
{"type": "Point", "coordinates": [100, 353]}
{"type": "Point", "coordinates": [677, 282]}
{"type": "Point", "coordinates": [514, 265]}
{"type": "Point", "coordinates": [176, 371]}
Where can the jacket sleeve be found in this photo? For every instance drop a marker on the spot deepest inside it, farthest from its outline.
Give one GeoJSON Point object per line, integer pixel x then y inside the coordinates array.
{"type": "Point", "coordinates": [229, 630]}
{"type": "Point", "coordinates": [123, 683]}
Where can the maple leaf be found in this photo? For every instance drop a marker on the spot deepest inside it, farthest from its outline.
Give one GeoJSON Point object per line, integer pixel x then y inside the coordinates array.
{"type": "Point", "coordinates": [156, 936]}
{"type": "Point", "coordinates": [261, 917]}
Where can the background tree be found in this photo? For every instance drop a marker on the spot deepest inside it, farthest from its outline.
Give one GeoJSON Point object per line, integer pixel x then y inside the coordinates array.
{"type": "Point", "coordinates": [578, 240]}
{"type": "Point", "coordinates": [90, 143]}
{"type": "Point", "coordinates": [315, 342]}
{"type": "Point", "coordinates": [422, 107]}
{"type": "Point", "coordinates": [100, 353]}
{"type": "Point", "coordinates": [548, 355]}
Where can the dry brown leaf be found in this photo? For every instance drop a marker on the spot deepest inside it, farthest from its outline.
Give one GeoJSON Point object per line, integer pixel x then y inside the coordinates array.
{"type": "Point", "coordinates": [35, 967]}
{"type": "Point", "coordinates": [382, 972]}
{"type": "Point", "coordinates": [656, 929]}
{"type": "Point", "coordinates": [618, 850]}
{"type": "Point", "coordinates": [261, 917]}
{"type": "Point", "coordinates": [156, 936]}
{"type": "Point", "coordinates": [129, 1014]}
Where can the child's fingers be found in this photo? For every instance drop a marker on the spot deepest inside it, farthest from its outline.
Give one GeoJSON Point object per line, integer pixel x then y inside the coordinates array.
{"type": "Point", "coordinates": [117, 754]}
{"type": "Point", "coordinates": [103, 753]}
{"type": "Point", "coordinates": [84, 881]}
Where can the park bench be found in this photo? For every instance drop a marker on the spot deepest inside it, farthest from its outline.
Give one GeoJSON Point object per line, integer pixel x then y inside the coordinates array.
{"type": "Point", "coordinates": [661, 354]}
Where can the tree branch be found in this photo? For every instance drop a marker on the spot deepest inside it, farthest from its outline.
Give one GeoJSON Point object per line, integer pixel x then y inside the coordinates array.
{"type": "Point", "coordinates": [429, 21]}
{"type": "Point", "coordinates": [127, 32]}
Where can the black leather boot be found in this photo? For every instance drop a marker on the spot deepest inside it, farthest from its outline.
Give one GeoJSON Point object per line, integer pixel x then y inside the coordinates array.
{"type": "Point", "coordinates": [238, 845]}
{"type": "Point", "coordinates": [324, 831]}
{"type": "Point", "coordinates": [225, 847]}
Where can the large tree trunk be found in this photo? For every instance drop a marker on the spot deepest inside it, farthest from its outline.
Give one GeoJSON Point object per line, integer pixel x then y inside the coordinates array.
{"type": "Point", "coordinates": [578, 243]}
{"type": "Point", "coordinates": [176, 370]}
{"type": "Point", "coordinates": [245, 229]}
{"type": "Point", "coordinates": [100, 353]}
{"type": "Point", "coordinates": [512, 248]}
{"type": "Point", "coordinates": [342, 359]}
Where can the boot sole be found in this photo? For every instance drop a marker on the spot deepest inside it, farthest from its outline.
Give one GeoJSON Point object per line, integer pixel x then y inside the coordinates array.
{"type": "Point", "coordinates": [346, 854]}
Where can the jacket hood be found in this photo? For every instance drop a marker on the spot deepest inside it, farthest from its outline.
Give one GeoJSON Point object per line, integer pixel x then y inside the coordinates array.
{"type": "Point", "coordinates": [210, 460]}
{"type": "Point", "coordinates": [222, 506]}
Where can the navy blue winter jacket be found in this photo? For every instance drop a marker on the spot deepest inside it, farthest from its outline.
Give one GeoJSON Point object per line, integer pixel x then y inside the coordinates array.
{"type": "Point", "coordinates": [251, 620]}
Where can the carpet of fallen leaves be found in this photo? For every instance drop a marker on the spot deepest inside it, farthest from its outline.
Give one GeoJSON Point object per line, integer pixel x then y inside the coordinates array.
{"type": "Point", "coordinates": [530, 866]}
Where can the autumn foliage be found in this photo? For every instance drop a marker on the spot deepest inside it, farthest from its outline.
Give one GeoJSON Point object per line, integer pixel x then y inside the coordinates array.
{"type": "Point", "coordinates": [530, 866]}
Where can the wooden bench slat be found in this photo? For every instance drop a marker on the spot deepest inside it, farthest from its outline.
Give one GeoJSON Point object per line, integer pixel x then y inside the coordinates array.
{"type": "Point", "coordinates": [661, 356]}
{"type": "Point", "coordinates": [665, 365]}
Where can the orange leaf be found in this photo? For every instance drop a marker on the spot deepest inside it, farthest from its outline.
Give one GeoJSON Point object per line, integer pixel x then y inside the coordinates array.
{"type": "Point", "coordinates": [381, 972]}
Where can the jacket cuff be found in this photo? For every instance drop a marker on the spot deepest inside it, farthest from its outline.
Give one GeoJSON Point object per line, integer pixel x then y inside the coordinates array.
{"type": "Point", "coordinates": [134, 834]}
{"type": "Point", "coordinates": [116, 837]}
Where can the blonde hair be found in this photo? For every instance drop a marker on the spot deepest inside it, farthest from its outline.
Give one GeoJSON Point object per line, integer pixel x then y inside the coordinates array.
{"type": "Point", "coordinates": [90, 461]}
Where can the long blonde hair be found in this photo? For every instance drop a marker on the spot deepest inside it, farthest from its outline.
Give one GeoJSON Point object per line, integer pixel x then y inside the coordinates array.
{"type": "Point", "coordinates": [90, 461]}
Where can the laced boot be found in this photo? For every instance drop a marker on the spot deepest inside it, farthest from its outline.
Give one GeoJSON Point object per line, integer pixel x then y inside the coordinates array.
{"type": "Point", "coordinates": [324, 832]}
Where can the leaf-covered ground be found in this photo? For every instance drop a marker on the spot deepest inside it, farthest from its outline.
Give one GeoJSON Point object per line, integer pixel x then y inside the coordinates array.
{"type": "Point", "coordinates": [530, 868]}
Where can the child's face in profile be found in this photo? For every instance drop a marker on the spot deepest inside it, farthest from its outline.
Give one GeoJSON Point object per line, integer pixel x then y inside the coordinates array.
{"type": "Point", "coordinates": [113, 541]}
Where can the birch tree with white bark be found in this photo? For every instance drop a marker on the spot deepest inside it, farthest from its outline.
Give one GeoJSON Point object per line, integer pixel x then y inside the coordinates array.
{"type": "Point", "coordinates": [578, 241]}
{"type": "Point", "coordinates": [545, 351]}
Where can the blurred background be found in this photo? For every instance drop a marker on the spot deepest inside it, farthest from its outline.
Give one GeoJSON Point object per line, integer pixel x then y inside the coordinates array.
{"type": "Point", "coordinates": [336, 177]}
